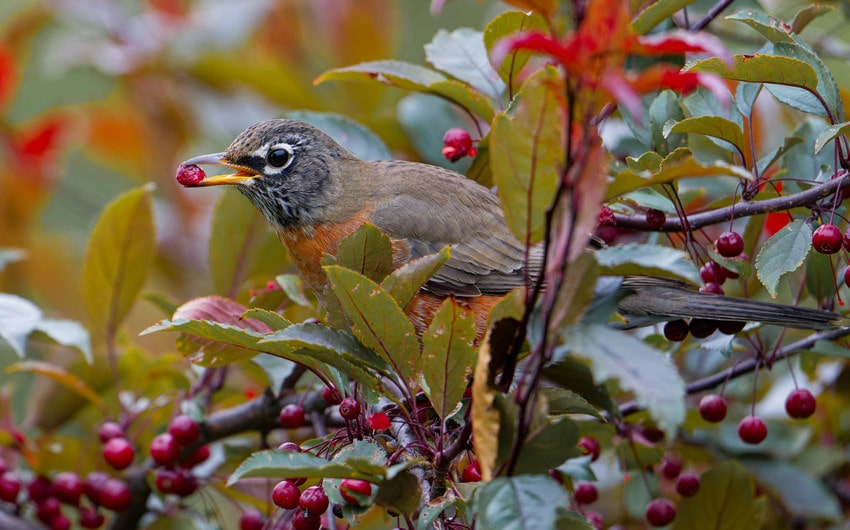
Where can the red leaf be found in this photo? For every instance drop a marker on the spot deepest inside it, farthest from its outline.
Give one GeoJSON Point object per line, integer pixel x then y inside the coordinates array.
{"type": "Point", "coordinates": [42, 139]}
{"type": "Point", "coordinates": [679, 42]}
{"type": "Point", "coordinates": [8, 74]}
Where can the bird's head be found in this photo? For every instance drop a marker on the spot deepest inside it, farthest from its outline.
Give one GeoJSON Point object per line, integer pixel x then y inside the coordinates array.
{"type": "Point", "coordinates": [286, 168]}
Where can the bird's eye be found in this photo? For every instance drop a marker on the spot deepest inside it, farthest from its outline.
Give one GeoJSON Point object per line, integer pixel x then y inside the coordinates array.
{"type": "Point", "coordinates": [278, 157]}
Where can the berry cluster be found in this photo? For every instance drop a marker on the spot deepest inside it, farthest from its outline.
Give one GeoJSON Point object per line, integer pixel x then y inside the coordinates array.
{"type": "Point", "coordinates": [174, 468]}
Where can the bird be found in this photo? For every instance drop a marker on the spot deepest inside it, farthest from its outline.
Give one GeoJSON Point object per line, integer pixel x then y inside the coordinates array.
{"type": "Point", "coordinates": [314, 193]}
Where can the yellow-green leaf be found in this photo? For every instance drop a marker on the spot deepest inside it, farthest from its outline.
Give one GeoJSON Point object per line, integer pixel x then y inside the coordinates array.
{"type": "Point", "coordinates": [61, 376]}
{"type": "Point", "coordinates": [656, 12]}
{"type": "Point", "coordinates": [760, 68]}
{"type": "Point", "coordinates": [404, 75]}
{"type": "Point", "coordinates": [714, 126]}
{"type": "Point", "coordinates": [237, 228]}
{"type": "Point", "coordinates": [367, 251]}
{"type": "Point", "coordinates": [406, 281]}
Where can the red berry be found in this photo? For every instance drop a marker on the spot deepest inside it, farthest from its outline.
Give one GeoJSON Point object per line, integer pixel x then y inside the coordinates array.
{"type": "Point", "coordinates": [252, 519]}
{"type": "Point", "coordinates": [687, 484]}
{"type": "Point", "coordinates": [164, 450]}
{"type": "Point", "coordinates": [701, 328]}
{"type": "Point", "coordinates": [286, 494]}
{"type": "Point", "coordinates": [93, 485]}
{"type": "Point", "coordinates": [712, 408]}
{"type": "Point", "coordinates": [68, 487]}
{"type": "Point", "coordinates": [331, 395]}
{"type": "Point", "coordinates": [730, 244]}
{"type": "Point", "coordinates": [185, 484]}
{"type": "Point", "coordinates": [827, 239]}
{"type": "Point", "coordinates": [303, 521]}
{"type": "Point", "coordinates": [109, 430]}
{"type": "Point", "coordinates": [200, 455]}
{"type": "Point", "coordinates": [350, 487]}
{"type": "Point", "coordinates": [730, 327]}
{"type": "Point", "coordinates": [59, 522]}
{"type": "Point", "coordinates": [712, 272]}
{"type": "Point", "coordinates": [605, 217]}
{"type": "Point", "coordinates": [676, 330]}
{"type": "Point", "coordinates": [472, 472]}
{"type": "Point", "coordinates": [349, 408]}
{"type": "Point", "coordinates": [165, 480]}
{"type": "Point", "coordinates": [292, 416]}
{"type": "Point", "coordinates": [660, 512]}
{"type": "Point", "coordinates": [118, 453]}
{"type": "Point", "coordinates": [589, 446]}
{"type": "Point", "coordinates": [48, 509]}
{"type": "Point", "coordinates": [595, 518]}
{"type": "Point", "coordinates": [379, 421]}
{"type": "Point", "coordinates": [655, 219]}
{"type": "Point", "coordinates": [847, 276]}
{"type": "Point", "coordinates": [671, 466]}
{"type": "Point", "coordinates": [457, 144]}
{"type": "Point", "coordinates": [39, 489]}
{"type": "Point", "coordinates": [800, 404]}
{"type": "Point", "coordinates": [184, 430]}
{"type": "Point", "coordinates": [752, 430]}
{"type": "Point", "coordinates": [115, 495]}
{"type": "Point", "coordinates": [712, 288]}
{"type": "Point", "coordinates": [190, 175]}
{"type": "Point", "coordinates": [586, 493]}
{"type": "Point", "coordinates": [314, 500]}
{"type": "Point", "coordinates": [846, 242]}
{"type": "Point", "coordinates": [10, 487]}
{"type": "Point", "coordinates": [90, 518]}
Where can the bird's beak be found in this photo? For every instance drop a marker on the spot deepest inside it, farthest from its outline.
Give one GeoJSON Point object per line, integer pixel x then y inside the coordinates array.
{"type": "Point", "coordinates": [243, 175]}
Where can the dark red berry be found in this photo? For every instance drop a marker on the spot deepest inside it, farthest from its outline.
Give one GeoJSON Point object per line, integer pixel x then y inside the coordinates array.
{"type": "Point", "coordinates": [59, 522]}
{"type": "Point", "coordinates": [847, 276]}
{"type": "Point", "coordinates": [109, 430]}
{"type": "Point", "coordinates": [712, 408]}
{"type": "Point", "coordinates": [701, 328]}
{"type": "Point", "coordinates": [93, 485]}
{"type": "Point", "coordinates": [349, 408]}
{"type": "Point", "coordinates": [39, 489]}
{"type": "Point", "coordinates": [671, 466]}
{"type": "Point", "coordinates": [660, 512]}
{"type": "Point", "coordinates": [289, 447]}
{"type": "Point", "coordinates": [115, 495]}
{"type": "Point", "coordinates": [286, 494]}
{"type": "Point", "coordinates": [350, 487]}
{"type": "Point", "coordinates": [595, 518]}
{"type": "Point", "coordinates": [201, 454]}
{"type": "Point", "coordinates": [90, 517]}
{"type": "Point", "coordinates": [800, 404]}
{"type": "Point", "coordinates": [314, 500]}
{"type": "Point", "coordinates": [118, 453]}
{"type": "Point", "coordinates": [252, 519]}
{"type": "Point", "coordinates": [472, 472]}
{"type": "Point", "coordinates": [730, 244]}
{"type": "Point", "coordinates": [709, 273]}
{"type": "Point", "coordinates": [712, 288]}
{"type": "Point", "coordinates": [605, 217]}
{"type": "Point", "coordinates": [730, 327]}
{"type": "Point", "coordinates": [185, 484]}
{"type": "Point", "coordinates": [48, 509]}
{"type": "Point", "coordinates": [589, 446]}
{"type": "Point", "coordinates": [68, 487]}
{"type": "Point", "coordinates": [676, 330]}
{"type": "Point", "coordinates": [586, 493]}
{"type": "Point", "coordinates": [304, 521]}
{"type": "Point", "coordinates": [752, 430]}
{"type": "Point", "coordinates": [190, 175]}
{"type": "Point", "coordinates": [655, 219]}
{"type": "Point", "coordinates": [331, 395]}
{"type": "Point", "coordinates": [846, 242]}
{"type": "Point", "coordinates": [687, 484]}
{"type": "Point", "coordinates": [292, 416]}
{"type": "Point", "coordinates": [184, 430]}
{"type": "Point", "coordinates": [165, 479]}
{"type": "Point", "coordinates": [10, 487]}
{"type": "Point", "coordinates": [457, 144]}
{"type": "Point", "coordinates": [164, 449]}
{"type": "Point", "coordinates": [827, 239]}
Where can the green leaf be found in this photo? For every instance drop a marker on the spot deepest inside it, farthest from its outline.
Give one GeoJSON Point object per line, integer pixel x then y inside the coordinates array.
{"type": "Point", "coordinates": [636, 258]}
{"type": "Point", "coordinates": [637, 366]}
{"type": "Point", "coordinates": [649, 160]}
{"type": "Point", "coordinates": [237, 228]}
{"type": "Point", "coordinates": [461, 54]}
{"type": "Point", "coordinates": [519, 503]}
{"type": "Point", "coordinates": [563, 401]}
{"type": "Point", "coordinates": [745, 97]}
{"type": "Point", "coordinates": [784, 252]}
{"type": "Point", "coordinates": [569, 372]}
{"type": "Point", "coordinates": [656, 13]}
{"type": "Point", "coordinates": [404, 75]}
{"type": "Point", "coordinates": [353, 136]}
{"type": "Point", "coordinates": [400, 494]}
{"type": "Point", "coordinates": [801, 494]}
{"type": "Point", "coordinates": [526, 156]}
{"type": "Point", "coordinates": [504, 25]}
{"type": "Point", "coordinates": [18, 319]}
{"type": "Point", "coordinates": [664, 107]}
{"type": "Point", "coordinates": [826, 87]}
{"type": "Point", "coordinates": [773, 30]}
{"type": "Point", "coordinates": [60, 375]}
{"type": "Point", "coordinates": [293, 287]}
{"type": "Point", "coordinates": [118, 257]}
{"type": "Point", "coordinates": [726, 500]}
{"type": "Point", "coordinates": [807, 15]}
{"type": "Point", "coordinates": [246, 341]}
{"type": "Point", "coordinates": [403, 283]}
{"type": "Point", "coordinates": [289, 464]}
{"type": "Point", "coordinates": [367, 251]}
{"type": "Point", "coordinates": [67, 333]}
{"type": "Point", "coordinates": [761, 68]}
{"type": "Point", "coordinates": [831, 133]}
{"type": "Point", "coordinates": [377, 320]}
{"type": "Point", "coordinates": [465, 96]}
{"type": "Point", "coordinates": [740, 266]}
{"type": "Point", "coordinates": [713, 126]}
{"type": "Point", "coordinates": [431, 511]}
{"type": "Point", "coordinates": [549, 446]}
{"type": "Point", "coordinates": [448, 356]}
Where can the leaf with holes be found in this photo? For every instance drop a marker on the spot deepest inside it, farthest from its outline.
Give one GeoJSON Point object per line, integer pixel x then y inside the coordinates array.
{"type": "Point", "coordinates": [367, 251]}
{"type": "Point", "coordinates": [783, 253]}
{"type": "Point", "coordinates": [448, 356]}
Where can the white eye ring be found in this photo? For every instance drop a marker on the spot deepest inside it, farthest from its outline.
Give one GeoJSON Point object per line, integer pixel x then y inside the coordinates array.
{"type": "Point", "coordinates": [279, 156]}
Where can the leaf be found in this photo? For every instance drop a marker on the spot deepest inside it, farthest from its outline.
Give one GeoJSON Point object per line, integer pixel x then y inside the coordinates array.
{"type": "Point", "coordinates": [289, 464]}
{"type": "Point", "coordinates": [367, 251]}
{"type": "Point", "coordinates": [526, 155]}
{"type": "Point", "coordinates": [435, 508]}
{"type": "Point", "coordinates": [563, 401]}
{"type": "Point", "coordinates": [465, 96]}
{"type": "Point", "coordinates": [209, 333]}
{"type": "Point", "coordinates": [745, 97]}
{"type": "Point", "coordinates": [807, 15]}
{"type": "Point", "coordinates": [235, 232]}
{"type": "Point", "coordinates": [544, 7]}
{"type": "Point", "coordinates": [67, 333]}
{"type": "Point", "coordinates": [826, 88]}
{"type": "Point", "coordinates": [637, 366]}
{"type": "Point", "coordinates": [61, 376]}
{"type": "Point", "coordinates": [636, 258]}
{"type": "Point", "coordinates": [801, 494]}
{"type": "Point", "coordinates": [403, 283]}
{"type": "Point", "coordinates": [664, 107]}
{"type": "Point", "coordinates": [353, 136]}
{"type": "Point", "coordinates": [10, 255]}
{"type": "Point", "coordinates": [293, 287]}
{"type": "Point", "coordinates": [377, 320]}
{"type": "Point", "coordinates": [18, 318]}
{"type": "Point", "coordinates": [547, 448]}
{"type": "Point", "coordinates": [831, 133]}
{"type": "Point", "coordinates": [713, 126]}
{"type": "Point", "coordinates": [505, 25]}
{"type": "Point", "coordinates": [448, 356]}
{"type": "Point", "coordinates": [404, 75]}
{"type": "Point", "coordinates": [656, 13]}
{"type": "Point", "coordinates": [783, 253]}
{"type": "Point", "coordinates": [400, 494]}
{"type": "Point", "coordinates": [773, 29]}
{"type": "Point", "coordinates": [461, 54]}
{"type": "Point", "coordinates": [118, 257]}
{"type": "Point", "coordinates": [726, 501]}
{"type": "Point", "coordinates": [522, 502]}
{"type": "Point", "coordinates": [761, 68]}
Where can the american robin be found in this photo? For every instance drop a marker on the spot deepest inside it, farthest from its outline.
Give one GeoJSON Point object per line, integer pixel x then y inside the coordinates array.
{"type": "Point", "coordinates": [315, 193]}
